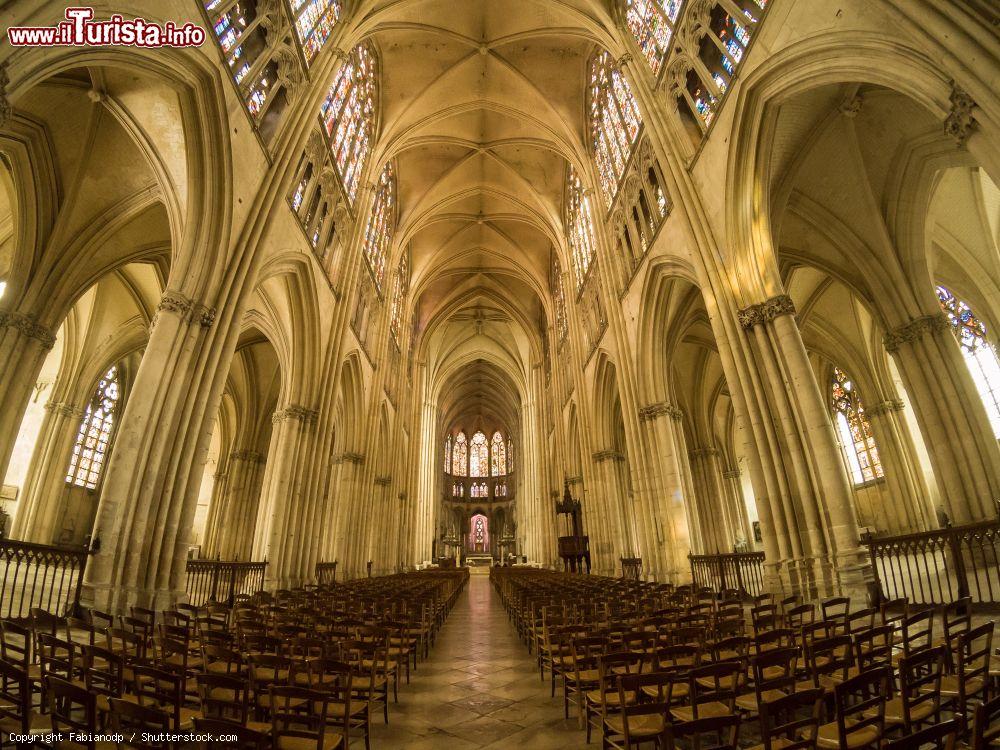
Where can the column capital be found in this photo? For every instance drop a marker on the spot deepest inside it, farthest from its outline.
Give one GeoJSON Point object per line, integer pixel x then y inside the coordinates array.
{"type": "Point", "coordinates": [383, 481]}
{"type": "Point", "coordinates": [734, 473]}
{"type": "Point", "coordinates": [607, 455]}
{"type": "Point", "coordinates": [703, 452]}
{"type": "Point", "coordinates": [250, 456]}
{"type": "Point", "coordinates": [65, 409]}
{"type": "Point", "coordinates": [959, 123]}
{"type": "Point", "coordinates": [914, 330]}
{"type": "Point", "coordinates": [29, 327]}
{"type": "Point", "coordinates": [766, 311]}
{"type": "Point", "coordinates": [889, 405]}
{"type": "Point", "coordinates": [295, 411]}
{"type": "Point", "coordinates": [347, 457]}
{"type": "Point", "coordinates": [659, 409]}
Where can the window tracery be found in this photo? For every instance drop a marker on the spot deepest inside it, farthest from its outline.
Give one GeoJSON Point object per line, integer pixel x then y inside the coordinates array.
{"type": "Point", "coordinates": [460, 455]}
{"type": "Point", "coordinates": [314, 22]}
{"type": "Point", "coordinates": [447, 454]}
{"type": "Point", "coordinates": [381, 225]}
{"type": "Point", "coordinates": [93, 439]}
{"type": "Point", "coordinates": [855, 429]}
{"type": "Point", "coordinates": [579, 226]}
{"type": "Point", "coordinates": [348, 116]}
{"type": "Point", "coordinates": [498, 455]}
{"type": "Point", "coordinates": [980, 355]}
{"type": "Point", "coordinates": [614, 122]}
{"type": "Point", "coordinates": [652, 23]}
{"type": "Point", "coordinates": [399, 293]}
{"type": "Point", "coordinates": [559, 300]}
{"type": "Point", "coordinates": [479, 464]}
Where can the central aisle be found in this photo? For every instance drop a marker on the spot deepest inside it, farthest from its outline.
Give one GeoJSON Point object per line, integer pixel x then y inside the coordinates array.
{"type": "Point", "coordinates": [479, 688]}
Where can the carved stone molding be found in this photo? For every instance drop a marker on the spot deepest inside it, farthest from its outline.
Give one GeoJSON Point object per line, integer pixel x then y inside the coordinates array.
{"type": "Point", "coordinates": [347, 457]}
{"type": "Point", "coordinates": [174, 302]}
{"type": "Point", "coordinates": [6, 110]}
{"type": "Point", "coordinates": [914, 330]}
{"type": "Point", "coordinates": [703, 452]}
{"type": "Point", "coordinates": [766, 311]}
{"type": "Point", "coordinates": [204, 314]}
{"type": "Point", "coordinates": [574, 480]}
{"type": "Point", "coordinates": [608, 455]}
{"type": "Point", "coordinates": [64, 409]}
{"type": "Point", "coordinates": [295, 411]}
{"type": "Point", "coordinates": [890, 405]}
{"type": "Point", "coordinates": [732, 473]}
{"type": "Point", "coordinates": [383, 481]}
{"type": "Point", "coordinates": [662, 408]}
{"type": "Point", "coordinates": [850, 107]}
{"type": "Point", "coordinates": [250, 456]}
{"type": "Point", "coordinates": [27, 326]}
{"type": "Point", "coordinates": [960, 122]}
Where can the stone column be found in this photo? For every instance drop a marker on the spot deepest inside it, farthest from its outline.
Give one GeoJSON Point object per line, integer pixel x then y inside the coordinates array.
{"type": "Point", "coordinates": [216, 506]}
{"type": "Point", "coordinates": [733, 489]}
{"type": "Point", "coordinates": [804, 460]}
{"type": "Point", "coordinates": [150, 490]}
{"type": "Point", "coordinates": [24, 344]}
{"type": "Point", "coordinates": [240, 505]}
{"type": "Point", "coordinates": [963, 449]}
{"type": "Point", "coordinates": [718, 530]}
{"type": "Point", "coordinates": [669, 514]}
{"type": "Point", "coordinates": [345, 501]}
{"type": "Point", "coordinates": [40, 506]}
{"type": "Point", "coordinates": [622, 536]}
{"type": "Point", "coordinates": [280, 530]}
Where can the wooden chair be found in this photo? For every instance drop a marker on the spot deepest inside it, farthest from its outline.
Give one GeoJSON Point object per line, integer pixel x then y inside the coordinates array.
{"type": "Point", "coordinates": [712, 690]}
{"type": "Point", "coordinates": [266, 670]}
{"type": "Point", "coordinates": [972, 672]}
{"type": "Point", "coordinates": [873, 648]}
{"type": "Point", "coordinates": [836, 612]}
{"type": "Point", "coordinates": [637, 723]}
{"type": "Point", "coordinates": [16, 709]}
{"type": "Point", "coordinates": [73, 710]}
{"type": "Point", "coordinates": [942, 736]}
{"type": "Point", "coordinates": [725, 729]}
{"type": "Point", "coordinates": [166, 691]}
{"type": "Point", "coordinates": [136, 722]}
{"type": "Point", "coordinates": [791, 722]}
{"type": "Point", "coordinates": [299, 719]}
{"type": "Point", "coordinates": [602, 701]}
{"type": "Point", "coordinates": [104, 675]}
{"type": "Point", "coordinates": [774, 677]}
{"type": "Point", "coordinates": [919, 699]}
{"type": "Point", "coordinates": [585, 673]}
{"type": "Point", "coordinates": [986, 726]}
{"type": "Point", "coordinates": [859, 705]}
{"type": "Point", "coordinates": [239, 737]}
{"type": "Point", "coordinates": [918, 632]}
{"type": "Point", "coordinates": [830, 661]}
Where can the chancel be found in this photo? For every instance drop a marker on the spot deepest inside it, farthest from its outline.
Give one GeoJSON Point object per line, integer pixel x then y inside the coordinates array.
{"type": "Point", "coordinates": [501, 373]}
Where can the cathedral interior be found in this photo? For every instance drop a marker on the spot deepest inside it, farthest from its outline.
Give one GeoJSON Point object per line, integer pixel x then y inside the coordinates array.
{"type": "Point", "coordinates": [444, 314]}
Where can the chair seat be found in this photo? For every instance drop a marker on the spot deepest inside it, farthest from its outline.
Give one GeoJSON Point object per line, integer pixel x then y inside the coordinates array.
{"type": "Point", "coordinates": [365, 682]}
{"type": "Point", "coordinates": [777, 743]}
{"type": "Point", "coordinates": [37, 722]}
{"type": "Point", "coordinates": [331, 741]}
{"type": "Point", "coordinates": [611, 698]}
{"type": "Point", "coordinates": [264, 701]}
{"type": "Point", "coordinates": [584, 676]}
{"type": "Point", "coordinates": [709, 709]}
{"type": "Point", "coordinates": [647, 725]}
{"type": "Point", "coordinates": [949, 686]}
{"type": "Point", "coordinates": [222, 667]}
{"type": "Point", "coordinates": [894, 711]}
{"type": "Point", "coordinates": [828, 736]}
{"type": "Point", "coordinates": [725, 683]}
{"type": "Point", "coordinates": [748, 702]}
{"type": "Point", "coordinates": [187, 716]}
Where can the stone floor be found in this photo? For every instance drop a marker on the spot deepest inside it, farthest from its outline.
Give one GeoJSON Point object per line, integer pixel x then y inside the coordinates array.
{"type": "Point", "coordinates": [479, 688]}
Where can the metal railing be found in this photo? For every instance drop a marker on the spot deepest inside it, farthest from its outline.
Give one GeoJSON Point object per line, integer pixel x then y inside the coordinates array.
{"type": "Point", "coordinates": [940, 566]}
{"type": "Point", "coordinates": [743, 571]}
{"type": "Point", "coordinates": [326, 573]}
{"type": "Point", "coordinates": [218, 581]}
{"type": "Point", "coordinates": [39, 575]}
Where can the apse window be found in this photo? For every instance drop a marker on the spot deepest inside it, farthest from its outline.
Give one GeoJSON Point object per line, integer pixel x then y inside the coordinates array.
{"type": "Point", "coordinates": [855, 430]}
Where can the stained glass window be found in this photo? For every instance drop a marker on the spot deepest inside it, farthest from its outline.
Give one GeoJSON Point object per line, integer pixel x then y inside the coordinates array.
{"type": "Point", "coordinates": [558, 299]}
{"type": "Point", "coordinates": [479, 463]}
{"type": "Point", "coordinates": [480, 489]}
{"type": "Point", "coordinates": [498, 455]}
{"type": "Point", "coordinates": [314, 22]}
{"type": "Point", "coordinates": [579, 226]}
{"type": "Point", "coordinates": [235, 31]}
{"type": "Point", "coordinates": [447, 454]}
{"type": "Point", "coordinates": [381, 225]}
{"type": "Point", "coordinates": [348, 115]}
{"type": "Point", "coordinates": [510, 456]}
{"type": "Point", "coordinates": [614, 122]}
{"type": "Point", "coordinates": [501, 489]}
{"type": "Point", "coordinates": [855, 429]}
{"type": "Point", "coordinates": [94, 437]}
{"type": "Point", "coordinates": [480, 531]}
{"type": "Point", "coordinates": [459, 455]}
{"type": "Point", "coordinates": [652, 23]}
{"type": "Point", "coordinates": [399, 298]}
{"type": "Point", "coordinates": [458, 490]}
{"type": "Point", "coordinates": [980, 355]}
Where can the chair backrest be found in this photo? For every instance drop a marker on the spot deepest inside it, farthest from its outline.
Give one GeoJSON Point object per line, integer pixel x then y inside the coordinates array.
{"type": "Point", "coordinates": [224, 696]}
{"type": "Point", "coordinates": [237, 736]}
{"type": "Point", "coordinates": [103, 670]}
{"type": "Point", "coordinates": [800, 616]}
{"type": "Point", "coordinates": [836, 611]}
{"type": "Point", "coordinates": [135, 722]}
{"type": "Point", "coordinates": [57, 656]}
{"type": "Point", "coordinates": [161, 688]}
{"type": "Point", "coordinates": [630, 711]}
{"type": "Point", "coordinates": [774, 670]}
{"type": "Point", "coordinates": [920, 686]}
{"type": "Point", "coordinates": [723, 733]}
{"type": "Point", "coordinates": [587, 653]}
{"type": "Point", "coordinates": [831, 657]}
{"type": "Point", "coordinates": [130, 646]}
{"type": "Point", "coordinates": [16, 643]}
{"type": "Point", "coordinates": [873, 647]}
{"type": "Point", "coordinates": [941, 735]}
{"type": "Point", "coordinates": [719, 682]}
{"type": "Point", "coordinates": [776, 638]}
{"type": "Point", "coordinates": [860, 708]}
{"type": "Point", "coordinates": [792, 720]}
{"type": "Point", "coordinates": [972, 655]}
{"type": "Point", "coordinates": [71, 708]}
{"type": "Point", "coordinates": [918, 631]}
{"type": "Point", "coordinates": [15, 695]}
{"type": "Point", "coordinates": [298, 713]}
{"type": "Point", "coordinates": [986, 727]}
{"type": "Point", "coordinates": [861, 620]}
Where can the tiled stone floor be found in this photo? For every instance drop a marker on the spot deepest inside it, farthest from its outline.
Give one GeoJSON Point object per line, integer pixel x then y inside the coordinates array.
{"type": "Point", "coordinates": [479, 688]}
